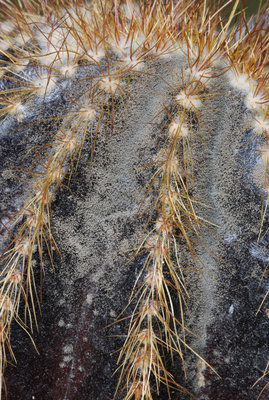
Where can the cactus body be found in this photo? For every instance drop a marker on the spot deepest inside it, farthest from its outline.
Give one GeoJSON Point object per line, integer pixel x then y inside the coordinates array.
{"type": "Point", "coordinates": [134, 162]}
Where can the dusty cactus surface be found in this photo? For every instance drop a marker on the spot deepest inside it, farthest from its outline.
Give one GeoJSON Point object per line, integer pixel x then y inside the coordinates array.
{"type": "Point", "coordinates": [133, 210]}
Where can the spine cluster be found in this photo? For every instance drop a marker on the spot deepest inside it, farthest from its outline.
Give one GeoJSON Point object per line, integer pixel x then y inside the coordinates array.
{"type": "Point", "coordinates": [154, 326]}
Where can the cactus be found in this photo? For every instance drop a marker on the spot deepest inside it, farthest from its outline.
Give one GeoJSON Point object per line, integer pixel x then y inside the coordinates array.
{"type": "Point", "coordinates": [134, 164]}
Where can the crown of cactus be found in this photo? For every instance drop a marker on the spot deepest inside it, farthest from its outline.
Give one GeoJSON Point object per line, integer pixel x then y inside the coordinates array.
{"type": "Point", "coordinates": [152, 119]}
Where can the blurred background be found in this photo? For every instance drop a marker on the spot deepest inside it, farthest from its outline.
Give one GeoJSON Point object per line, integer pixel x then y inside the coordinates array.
{"type": "Point", "coordinates": [253, 6]}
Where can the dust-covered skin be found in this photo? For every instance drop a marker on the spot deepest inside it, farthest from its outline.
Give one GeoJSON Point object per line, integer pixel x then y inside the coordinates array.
{"type": "Point", "coordinates": [97, 225]}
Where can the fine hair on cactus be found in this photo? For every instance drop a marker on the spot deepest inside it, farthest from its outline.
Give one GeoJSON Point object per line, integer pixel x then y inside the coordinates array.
{"type": "Point", "coordinates": [134, 247]}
